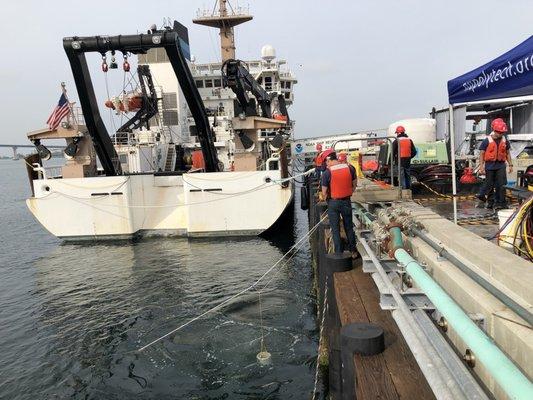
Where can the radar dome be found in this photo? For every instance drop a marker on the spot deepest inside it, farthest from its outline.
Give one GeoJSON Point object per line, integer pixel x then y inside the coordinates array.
{"type": "Point", "coordinates": [268, 53]}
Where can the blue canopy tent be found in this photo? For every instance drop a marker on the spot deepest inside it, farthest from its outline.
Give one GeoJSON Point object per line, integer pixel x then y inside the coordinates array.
{"type": "Point", "coordinates": [509, 77]}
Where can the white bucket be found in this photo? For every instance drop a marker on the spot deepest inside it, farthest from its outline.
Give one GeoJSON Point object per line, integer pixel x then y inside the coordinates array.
{"type": "Point", "coordinates": [506, 238]}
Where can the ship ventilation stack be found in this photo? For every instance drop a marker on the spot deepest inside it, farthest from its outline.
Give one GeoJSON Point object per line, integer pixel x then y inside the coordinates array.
{"type": "Point", "coordinates": [224, 19]}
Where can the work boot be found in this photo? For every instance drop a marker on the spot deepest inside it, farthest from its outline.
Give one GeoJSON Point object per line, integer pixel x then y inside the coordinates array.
{"type": "Point", "coordinates": [489, 206]}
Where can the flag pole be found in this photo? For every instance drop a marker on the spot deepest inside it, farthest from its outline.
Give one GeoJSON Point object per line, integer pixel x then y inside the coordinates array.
{"type": "Point", "coordinates": [70, 118]}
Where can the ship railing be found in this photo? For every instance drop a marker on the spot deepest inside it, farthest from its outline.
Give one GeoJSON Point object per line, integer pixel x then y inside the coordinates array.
{"type": "Point", "coordinates": [47, 172]}
{"type": "Point", "coordinates": [53, 172]}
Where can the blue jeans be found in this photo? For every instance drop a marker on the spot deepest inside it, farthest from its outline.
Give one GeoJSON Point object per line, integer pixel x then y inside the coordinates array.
{"type": "Point", "coordinates": [405, 178]}
{"type": "Point", "coordinates": [336, 208]}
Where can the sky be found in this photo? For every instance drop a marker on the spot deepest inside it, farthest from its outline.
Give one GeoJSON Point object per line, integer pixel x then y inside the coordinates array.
{"type": "Point", "coordinates": [360, 64]}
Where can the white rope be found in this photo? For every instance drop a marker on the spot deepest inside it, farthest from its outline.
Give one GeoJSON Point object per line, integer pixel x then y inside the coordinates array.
{"type": "Point", "coordinates": [253, 285]}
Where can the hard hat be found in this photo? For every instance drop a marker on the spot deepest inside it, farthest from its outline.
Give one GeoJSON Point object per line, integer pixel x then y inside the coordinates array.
{"type": "Point", "coordinates": [342, 157]}
{"type": "Point", "coordinates": [319, 147]}
{"type": "Point", "coordinates": [322, 156]}
{"type": "Point", "coordinates": [400, 129]}
{"type": "Point", "coordinates": [498, 125]}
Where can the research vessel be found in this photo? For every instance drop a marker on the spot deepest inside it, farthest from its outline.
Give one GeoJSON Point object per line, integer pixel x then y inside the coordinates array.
{"type": "Point", "coordinates": [202, 151]}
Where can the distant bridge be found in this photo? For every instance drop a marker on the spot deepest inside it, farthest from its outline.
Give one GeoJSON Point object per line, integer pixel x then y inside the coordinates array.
{"type": "Point", "coordinates": [26, 146]}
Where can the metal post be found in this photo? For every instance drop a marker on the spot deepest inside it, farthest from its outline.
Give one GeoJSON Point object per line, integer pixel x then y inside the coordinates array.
{"type": "Point", "coordinates": [452, 153]}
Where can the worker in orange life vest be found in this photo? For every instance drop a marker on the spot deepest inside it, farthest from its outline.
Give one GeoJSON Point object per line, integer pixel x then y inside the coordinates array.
{"type": "Point", "coordinates": [494, 152]}
{"type": "Point", "coordinates": [339, 180]}
{"type": "Point", "coordinates": [318, 160]}
{"type": "Point", "coordinates": [405, 148]}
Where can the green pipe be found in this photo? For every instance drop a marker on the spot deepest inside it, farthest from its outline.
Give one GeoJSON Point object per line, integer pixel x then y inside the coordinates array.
{"type": "Point", "coordinates": [515, 384]}
{"type": "Point", "coordinates": [364, 215]}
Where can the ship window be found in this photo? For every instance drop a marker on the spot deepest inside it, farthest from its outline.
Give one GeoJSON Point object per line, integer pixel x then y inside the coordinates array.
{"type": "Point", "coordinates": [170, 101]}
{"type": "Point", "coordinates": [170, 117]}
{"type": "Point", "coordinates": [192, 130]}
{"type": "Point", "coordinates": [208, 83]}
{"type": "Point", "coordinates": [217, 83]}
{"type": "Point", "coordinates": [200, 84]}
{"type": "Point", "coordinates": [287, 95]}
{"type": "Point", "coordinates": [287, 85]}
{"type": "Point", "coordinates": [268, 83]}
{"type": "Point", "coordinates": [260, 80]}
{"type": "Point", "coordinates": [123, 158]}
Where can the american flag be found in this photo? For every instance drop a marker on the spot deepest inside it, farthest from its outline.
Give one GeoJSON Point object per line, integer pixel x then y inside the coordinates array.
{"type": "Point", "coordinates": [60, 111]}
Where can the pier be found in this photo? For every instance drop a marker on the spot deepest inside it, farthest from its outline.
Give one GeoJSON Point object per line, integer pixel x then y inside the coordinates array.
{"type": "Point", "coordinates": [428, 310]}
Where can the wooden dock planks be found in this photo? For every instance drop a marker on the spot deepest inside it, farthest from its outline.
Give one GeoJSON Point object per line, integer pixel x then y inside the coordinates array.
{"type": "Point", "coordinates": [394, 374]}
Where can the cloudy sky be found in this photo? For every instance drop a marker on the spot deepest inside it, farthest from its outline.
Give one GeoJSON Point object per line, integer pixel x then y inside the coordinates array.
{"type": "Point", "coordinates": [361, 64]}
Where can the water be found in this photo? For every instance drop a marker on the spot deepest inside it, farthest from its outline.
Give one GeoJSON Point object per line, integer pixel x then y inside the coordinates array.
{"type": "Point", "coordinates": [71, 316]}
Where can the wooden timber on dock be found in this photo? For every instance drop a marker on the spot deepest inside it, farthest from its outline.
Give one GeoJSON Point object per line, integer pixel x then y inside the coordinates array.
{"type": "Point", "coordinates": [393, 374]}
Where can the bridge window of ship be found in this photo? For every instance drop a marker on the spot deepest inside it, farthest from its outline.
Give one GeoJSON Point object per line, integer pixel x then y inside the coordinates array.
{"type": "Point", "coordinates": [217, 83]}
{"type": "Point", "coordinates": [199, 84]}
{"type": "Point", "coordinates": [208, 83]}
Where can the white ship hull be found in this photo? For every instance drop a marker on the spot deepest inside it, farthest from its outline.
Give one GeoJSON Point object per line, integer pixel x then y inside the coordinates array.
{"type": "Point", "coordinates": [200, 204]}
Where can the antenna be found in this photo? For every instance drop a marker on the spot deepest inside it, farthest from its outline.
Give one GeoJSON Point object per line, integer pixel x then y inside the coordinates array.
{"type": "Point", "coordinates": [225, 22]}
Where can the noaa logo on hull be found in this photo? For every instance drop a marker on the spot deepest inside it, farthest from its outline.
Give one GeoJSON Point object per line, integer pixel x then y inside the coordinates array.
{"type": "Point", "coordinates": [299, 148]}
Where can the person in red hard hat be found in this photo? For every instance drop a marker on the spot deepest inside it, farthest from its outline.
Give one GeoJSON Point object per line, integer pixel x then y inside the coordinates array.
{"type": "Point", "coordinates": [342, 157]}
{"type": "Point", "coordinates": [406, 150]}
{"type": "Point", "coordinates": [494, 153]}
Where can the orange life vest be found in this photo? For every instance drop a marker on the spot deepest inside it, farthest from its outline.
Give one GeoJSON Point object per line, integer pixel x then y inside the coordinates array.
{"type": "Point", "coordinates": [198, 159]}
{"type": "Point", "coordinates": [496, 152]}
{"type": "Point", "coordinates": [341, 181]}
{"type": "Point", "coordinates": [405, 147]}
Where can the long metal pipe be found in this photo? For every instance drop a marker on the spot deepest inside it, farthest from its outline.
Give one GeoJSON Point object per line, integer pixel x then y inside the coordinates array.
{"type": "Point", "coordinates": [506, 300]}
{"type": "Point", "coordinates": [438, 377]}
{"type": "Point", "coordinates": [508, 376]}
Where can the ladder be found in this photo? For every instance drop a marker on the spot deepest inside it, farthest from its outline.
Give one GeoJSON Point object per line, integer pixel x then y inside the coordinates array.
{"type": "Point", "coordinates": [169, 164]}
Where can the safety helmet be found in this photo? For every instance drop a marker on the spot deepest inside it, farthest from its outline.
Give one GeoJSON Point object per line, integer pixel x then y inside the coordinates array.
{"type": "Point", "coordinates": [342, 157]}
{"type": "Point", "coordinates": [400, 129]}
{"type": "Point", "coordinates": [499, 125]}
{"type": "Point", "coordinates": [322, 156]}
{"type": "Point", "coordinates": [319, 147]}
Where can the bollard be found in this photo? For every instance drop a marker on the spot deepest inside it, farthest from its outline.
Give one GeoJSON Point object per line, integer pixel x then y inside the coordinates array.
{"type": "Point", "coordinates": [334, 263]}
{"type": "Point", "coordinates": [330, 264]}
{"type": "Point", "coordinates": [357, 338]}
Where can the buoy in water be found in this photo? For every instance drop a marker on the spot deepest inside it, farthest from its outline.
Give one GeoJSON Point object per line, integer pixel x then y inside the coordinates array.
{"type": "Point", "coordinates": [264, 357]}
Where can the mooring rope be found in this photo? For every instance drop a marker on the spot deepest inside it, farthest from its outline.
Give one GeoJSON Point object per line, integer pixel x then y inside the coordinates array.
{"type": "Point", "coordinates": [240, 293]}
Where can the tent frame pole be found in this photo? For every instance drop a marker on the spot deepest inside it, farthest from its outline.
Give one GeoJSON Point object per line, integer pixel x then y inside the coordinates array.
{"type": "Point", "coordinates": [452, 154]}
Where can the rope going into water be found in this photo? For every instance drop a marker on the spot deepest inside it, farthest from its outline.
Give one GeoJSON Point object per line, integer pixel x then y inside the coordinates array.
{"type": "Point", "coordinates": [240, 293]}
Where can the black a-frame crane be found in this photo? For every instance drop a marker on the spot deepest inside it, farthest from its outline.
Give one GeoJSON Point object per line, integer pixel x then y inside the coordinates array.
{"type": "Point", "coordinates": [76, 47]}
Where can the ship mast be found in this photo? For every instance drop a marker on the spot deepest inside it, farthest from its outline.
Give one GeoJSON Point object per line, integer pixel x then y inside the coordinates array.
{"type": "Point", "coordinates": [224, 21]}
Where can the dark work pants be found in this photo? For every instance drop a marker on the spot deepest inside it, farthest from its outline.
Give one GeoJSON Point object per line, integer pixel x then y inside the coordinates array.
{"type": "Point", "coordinates": [406, 176]}
{"type": "Point", "coordinates": [336, 209]}
{"type": "Point", "coordinates": [495, 179]}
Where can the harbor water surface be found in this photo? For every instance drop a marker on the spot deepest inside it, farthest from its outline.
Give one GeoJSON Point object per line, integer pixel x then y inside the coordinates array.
{"type": "Point", "coordinates": [72, 315]}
